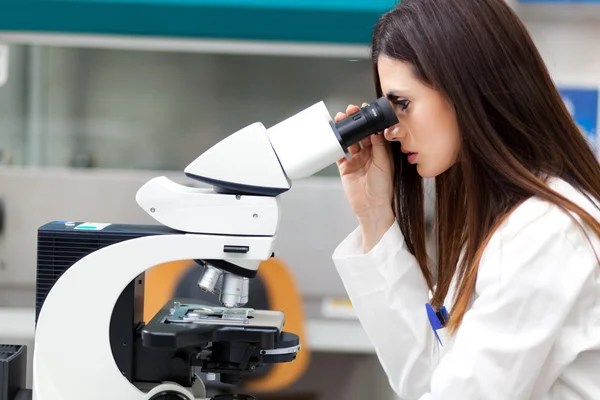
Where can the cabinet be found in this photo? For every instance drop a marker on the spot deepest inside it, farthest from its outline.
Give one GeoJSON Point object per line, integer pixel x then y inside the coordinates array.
{"type": "Point", "coordinates": [319, 21]}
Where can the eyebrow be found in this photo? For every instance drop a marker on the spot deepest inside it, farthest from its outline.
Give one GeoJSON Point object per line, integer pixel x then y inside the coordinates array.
{"type": "Point", "coordinates": [396, 93]}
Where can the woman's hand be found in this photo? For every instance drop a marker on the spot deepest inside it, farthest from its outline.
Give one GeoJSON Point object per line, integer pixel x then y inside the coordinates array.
{"type": "Point", "coordinates": [368, 183]}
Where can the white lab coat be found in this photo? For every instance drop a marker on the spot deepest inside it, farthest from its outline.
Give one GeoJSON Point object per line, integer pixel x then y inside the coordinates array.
{"type": "Point", "coordinates": [532, 330]}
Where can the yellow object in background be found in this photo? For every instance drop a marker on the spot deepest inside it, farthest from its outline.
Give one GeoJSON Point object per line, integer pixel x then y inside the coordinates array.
{"type": "Point", "coordinates": [338, 307]}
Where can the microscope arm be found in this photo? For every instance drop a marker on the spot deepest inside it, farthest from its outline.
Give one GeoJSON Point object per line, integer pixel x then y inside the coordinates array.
{"type": "Point", "coordinates": [72, 328]}
{"type": "Point", "coordinates": [202, 210]}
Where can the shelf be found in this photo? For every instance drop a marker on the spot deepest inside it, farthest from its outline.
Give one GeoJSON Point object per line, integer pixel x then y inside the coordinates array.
{"type": "Point", "coordinates": [307, 21]}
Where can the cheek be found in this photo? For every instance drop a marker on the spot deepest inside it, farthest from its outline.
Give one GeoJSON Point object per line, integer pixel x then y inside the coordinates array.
{"type": "Point", "coordinates": [430, 133]}
{"type": "Point", "coordinates": [445, 143]}
{"type": "Point", "coordinates": [434, 132]}
{"type": "Point", "coordinates": [440, 133]}
{"type": "Point", "coordinates": [439, 154]}
{"type": "Point", "coordinates": [439, 141]}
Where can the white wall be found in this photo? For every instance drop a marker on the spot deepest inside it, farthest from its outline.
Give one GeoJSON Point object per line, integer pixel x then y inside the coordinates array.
{"type": "Point", "coordinates": [570, 49]}
{"type": "Point", "coordinates": [568, 37]}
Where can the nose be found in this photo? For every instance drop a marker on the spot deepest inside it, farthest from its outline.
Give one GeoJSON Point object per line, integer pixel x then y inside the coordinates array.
{"type": "Point", "coordinates": [394, 133]}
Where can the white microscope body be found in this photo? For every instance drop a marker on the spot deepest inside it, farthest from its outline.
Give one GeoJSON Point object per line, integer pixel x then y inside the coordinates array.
{"type": "Point", "coordinates": [236, 221]}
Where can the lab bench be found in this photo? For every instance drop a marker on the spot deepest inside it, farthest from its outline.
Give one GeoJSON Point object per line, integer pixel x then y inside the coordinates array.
{"type": "Point", "coordinates": [343, 361]}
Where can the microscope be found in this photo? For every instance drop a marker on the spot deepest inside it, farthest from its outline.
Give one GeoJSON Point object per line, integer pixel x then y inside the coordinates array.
{"type": "Point", "coordinates": [91, 341]}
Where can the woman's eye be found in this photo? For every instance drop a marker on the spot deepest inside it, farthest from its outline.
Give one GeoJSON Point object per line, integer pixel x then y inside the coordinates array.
{"type": "Point", "coordinates": [402, 103]}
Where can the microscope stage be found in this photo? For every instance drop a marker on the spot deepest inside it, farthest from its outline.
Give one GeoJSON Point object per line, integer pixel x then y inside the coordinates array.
{"type": "Point", "coordinates": [216, 315]}
{"type": "Point", "coordinates": [183, 325]}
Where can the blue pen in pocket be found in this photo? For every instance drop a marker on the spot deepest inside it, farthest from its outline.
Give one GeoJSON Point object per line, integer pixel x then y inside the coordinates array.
{"type": "Point", "coordinates": [437, 319]}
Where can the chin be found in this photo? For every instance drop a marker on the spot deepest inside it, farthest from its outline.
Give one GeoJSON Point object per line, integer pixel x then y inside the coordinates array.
{"type": "Point", "coordinates": [425, 172]}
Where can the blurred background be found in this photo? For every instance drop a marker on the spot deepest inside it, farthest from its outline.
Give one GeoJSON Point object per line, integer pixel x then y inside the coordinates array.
{"type": "Point", "coordinates": [97, 97]}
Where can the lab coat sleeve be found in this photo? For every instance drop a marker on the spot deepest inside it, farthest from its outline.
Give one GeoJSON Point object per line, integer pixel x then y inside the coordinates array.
{"type": "Point", "coordinates": [389, 292]}
{"type": "Point", "coordinates": [530, 276]}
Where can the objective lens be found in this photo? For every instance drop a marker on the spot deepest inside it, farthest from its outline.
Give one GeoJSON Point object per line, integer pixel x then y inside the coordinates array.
{"type": "Point", "coordinates": [235, 291]}
{"type": "Point", "coordinates": [209, 279]}
{"type": "Point", "coordinates": [371, 119]}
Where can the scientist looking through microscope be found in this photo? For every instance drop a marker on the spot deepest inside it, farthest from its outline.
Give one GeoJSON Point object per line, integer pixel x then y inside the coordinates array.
{"type": "Point", "coordinates": [509, 307]}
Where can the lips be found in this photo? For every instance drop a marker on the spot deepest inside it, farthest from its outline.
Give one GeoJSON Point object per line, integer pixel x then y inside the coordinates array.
{"type": "Point", "coordinates": [412, 157]}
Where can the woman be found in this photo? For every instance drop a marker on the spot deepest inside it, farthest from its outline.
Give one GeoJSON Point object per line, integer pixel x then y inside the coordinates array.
{"type": "Point", "coordinates": [516, 221]}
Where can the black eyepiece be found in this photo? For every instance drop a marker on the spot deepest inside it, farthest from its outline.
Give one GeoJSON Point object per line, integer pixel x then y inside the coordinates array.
{"type": "Point", "coordinates": [371, 119]}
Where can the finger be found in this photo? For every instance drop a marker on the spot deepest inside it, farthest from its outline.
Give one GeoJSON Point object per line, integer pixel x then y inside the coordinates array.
{"type": "Point", "coordinates": [364, 105]}
{"type": "Point", "coordinates": [341, 161]}
{"type": "Point", "coordinates": [366, 142]}
{"type": "Point", "coordinates": [355, 148]}
{"type": "Point", "coordinates": [378, 140]}
{"type": "Point", "coordinates": [339, 116]}
{"type": "Point", "coordinates": [351, 109]}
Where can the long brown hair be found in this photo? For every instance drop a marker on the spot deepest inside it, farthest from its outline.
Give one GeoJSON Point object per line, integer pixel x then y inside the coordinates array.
{"type": "Point", "coordinates": [515, 129]}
